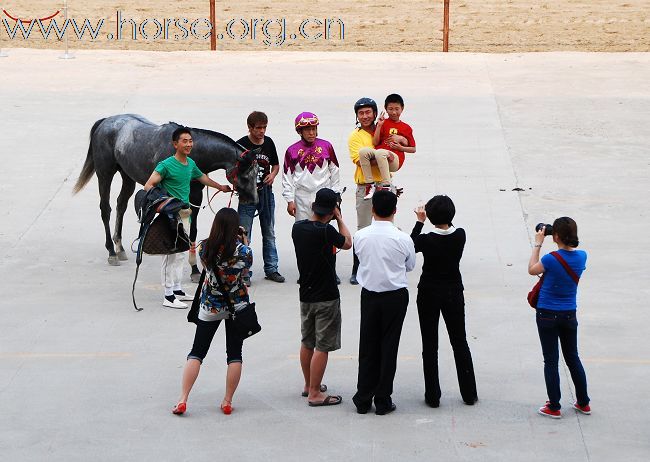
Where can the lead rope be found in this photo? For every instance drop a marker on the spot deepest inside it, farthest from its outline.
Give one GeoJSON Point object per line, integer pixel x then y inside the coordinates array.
{"type": "Point", "coordinates": [207, 195]}
{"type": "Point", "coordinates": [138, 260]}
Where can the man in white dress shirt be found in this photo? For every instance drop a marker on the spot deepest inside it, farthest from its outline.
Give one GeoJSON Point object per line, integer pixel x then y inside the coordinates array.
{"type": "Point", "coordinates": [385, 254]}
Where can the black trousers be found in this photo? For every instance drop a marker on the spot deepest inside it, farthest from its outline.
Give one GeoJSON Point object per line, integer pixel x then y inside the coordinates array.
{"type": "Point", "coordinates": [382, 317]}
{"type": "Point", "coordinates": [448, 301]}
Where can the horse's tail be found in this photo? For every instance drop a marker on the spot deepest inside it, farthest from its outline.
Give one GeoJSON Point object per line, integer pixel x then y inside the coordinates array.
{"type": "Point", "coordinates": [89, 166]}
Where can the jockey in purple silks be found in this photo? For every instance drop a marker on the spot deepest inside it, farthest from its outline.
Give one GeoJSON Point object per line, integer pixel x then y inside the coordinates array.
{"type": "Point", "coordinates": [309, 165]}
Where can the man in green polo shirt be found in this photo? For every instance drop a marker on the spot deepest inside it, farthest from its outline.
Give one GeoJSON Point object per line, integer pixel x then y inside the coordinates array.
{"type": "Point", "coordinates": [174, 174]}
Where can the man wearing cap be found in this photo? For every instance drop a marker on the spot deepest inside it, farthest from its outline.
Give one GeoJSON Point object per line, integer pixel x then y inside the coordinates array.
{"type": "Point", "coordinates": [385, 254]}
{"type": "Point", "coordinates": [320, 304]}
{"type": "Point", "coordinates": [309, 165]}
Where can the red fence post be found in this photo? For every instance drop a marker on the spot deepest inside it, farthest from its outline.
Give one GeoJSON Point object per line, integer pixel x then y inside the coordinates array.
{"type": "Point", "coordinates": [213, 20]}
{"type": "Point", "coordinates": [445, 28]}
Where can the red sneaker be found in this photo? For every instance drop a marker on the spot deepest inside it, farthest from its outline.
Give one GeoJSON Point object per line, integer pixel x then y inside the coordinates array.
{"type": "Point", "coordinates": [370, 190]}
{"type": "Point", "coordinates": [548, 412]}
{"type": "Point", "coordinates": [582, 409]}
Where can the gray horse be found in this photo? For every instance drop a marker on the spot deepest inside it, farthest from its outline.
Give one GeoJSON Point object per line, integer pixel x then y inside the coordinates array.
{"type": "Point", "coordinates": [133, 146]}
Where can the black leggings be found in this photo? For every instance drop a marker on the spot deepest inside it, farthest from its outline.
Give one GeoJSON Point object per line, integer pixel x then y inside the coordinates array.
{"type": "Point", "coordinates": [205, 331]}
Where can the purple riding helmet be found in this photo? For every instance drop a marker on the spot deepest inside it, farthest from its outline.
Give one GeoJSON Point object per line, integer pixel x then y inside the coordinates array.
{"type": "Point", "coordinates": [306, 119]}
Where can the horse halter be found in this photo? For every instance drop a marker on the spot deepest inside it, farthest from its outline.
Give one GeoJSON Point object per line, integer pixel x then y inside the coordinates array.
{"type": "Point", "coordinates": [233, 174]}
{"type": "Point", "coordinates": [233, 177]}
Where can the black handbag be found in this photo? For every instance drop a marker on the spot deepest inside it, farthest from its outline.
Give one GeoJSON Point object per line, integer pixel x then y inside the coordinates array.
{"type": "Point", "coordinates": [245, 320]}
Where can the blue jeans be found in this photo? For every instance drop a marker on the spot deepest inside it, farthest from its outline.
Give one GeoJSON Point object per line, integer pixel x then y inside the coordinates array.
{"type": "Point", "coordinates": [563, 325]}
{"type": "Point", "coordinates": [266, 209]}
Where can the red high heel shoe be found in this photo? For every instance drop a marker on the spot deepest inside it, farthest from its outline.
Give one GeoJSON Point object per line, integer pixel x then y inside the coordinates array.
{"type": "Point", "coordinates": [226, 409]}
{"type": "Point", "coordinates": [179, 409]}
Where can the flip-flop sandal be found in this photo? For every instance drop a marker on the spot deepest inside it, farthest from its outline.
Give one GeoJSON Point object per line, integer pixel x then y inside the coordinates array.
{"type": "Point", "coordinates": [323, 389]}
{"type": "Point", "coordinates": [330, 400]}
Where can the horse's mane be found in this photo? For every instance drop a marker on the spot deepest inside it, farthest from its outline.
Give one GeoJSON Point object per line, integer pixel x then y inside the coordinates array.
{"type": "Point", "coordinates": [204, 131]}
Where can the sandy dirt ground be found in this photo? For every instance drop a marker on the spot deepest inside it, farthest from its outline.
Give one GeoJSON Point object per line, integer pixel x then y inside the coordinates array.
{"type": "Point", "coordinates": [476, 25]}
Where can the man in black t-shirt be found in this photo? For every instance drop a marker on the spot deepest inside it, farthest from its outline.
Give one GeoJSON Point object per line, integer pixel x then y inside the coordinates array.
{"type": "Point", "coordinates": [320, 303]}
{"type": "Point", "coordinates": [268, 167]}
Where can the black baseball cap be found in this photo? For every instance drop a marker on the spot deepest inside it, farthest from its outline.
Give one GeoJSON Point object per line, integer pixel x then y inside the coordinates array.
{"type": "Point", "coordinates": [325, 202]}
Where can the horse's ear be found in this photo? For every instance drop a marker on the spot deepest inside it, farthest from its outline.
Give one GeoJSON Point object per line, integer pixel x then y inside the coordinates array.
{"type": "Point", "coordinates": [250, 155]}
{"type": "Point", "coordinates": [246, 160]}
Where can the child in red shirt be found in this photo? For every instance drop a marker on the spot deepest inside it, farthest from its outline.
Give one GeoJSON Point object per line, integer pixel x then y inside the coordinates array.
{"type": "Point", "coordinates": [392, 139]}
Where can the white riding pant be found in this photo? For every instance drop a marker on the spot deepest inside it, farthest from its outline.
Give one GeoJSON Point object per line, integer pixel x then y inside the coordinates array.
{"type": "Point", "coordinates": [303, 201]}
{"type": "Point", "coordinates": [171, 271]}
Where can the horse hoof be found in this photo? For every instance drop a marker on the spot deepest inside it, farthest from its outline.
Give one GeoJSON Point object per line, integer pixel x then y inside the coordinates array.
{"type": "Point", "coordinates": [195, 277]}
{"type": "Point", "coordinates": [121, 256]}
{"type": "Point", "coordinates": [113, 261]}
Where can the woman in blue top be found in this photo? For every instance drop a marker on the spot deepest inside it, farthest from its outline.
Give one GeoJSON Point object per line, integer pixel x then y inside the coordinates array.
{"type": "Point", "coordinates": [556, 313]}
{"type": "Point", "coordinates": [226, 258]}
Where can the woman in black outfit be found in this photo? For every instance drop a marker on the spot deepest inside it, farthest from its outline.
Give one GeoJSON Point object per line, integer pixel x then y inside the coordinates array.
{"type": "Point", "coordinates": [440, 291]}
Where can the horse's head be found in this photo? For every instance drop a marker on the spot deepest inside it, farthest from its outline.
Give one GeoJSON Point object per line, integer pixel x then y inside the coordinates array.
{"type": "Point", "coordinates": [213, 151]}
{"type": "Point", "coordinates": [244, 177]}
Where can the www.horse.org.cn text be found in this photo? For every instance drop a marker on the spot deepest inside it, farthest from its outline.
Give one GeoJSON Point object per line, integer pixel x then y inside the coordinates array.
{"type": "Point", "coordinates": [270, 32]}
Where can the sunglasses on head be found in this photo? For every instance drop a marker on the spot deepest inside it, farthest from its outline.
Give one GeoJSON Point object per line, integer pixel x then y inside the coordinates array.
{"type": "Point", "coordinates": [307, 121]}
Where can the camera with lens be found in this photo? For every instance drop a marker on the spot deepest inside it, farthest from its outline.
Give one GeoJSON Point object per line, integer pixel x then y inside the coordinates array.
{"type": "Point", "coordinates": [548, 229]}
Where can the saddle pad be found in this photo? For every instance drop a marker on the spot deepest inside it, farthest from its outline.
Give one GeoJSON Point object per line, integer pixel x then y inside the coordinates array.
{"type": "Point", "coordinates": [161, 238]}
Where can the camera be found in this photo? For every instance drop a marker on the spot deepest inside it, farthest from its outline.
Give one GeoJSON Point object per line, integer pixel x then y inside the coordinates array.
{"type": "Point", "coordinates": [242, 232]}
{"type": "Point", "coordinates": [548, 230]}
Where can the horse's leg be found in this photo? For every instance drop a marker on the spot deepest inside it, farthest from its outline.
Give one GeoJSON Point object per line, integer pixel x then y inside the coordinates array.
{"type": "Point", "coordinates": [105, 207]}
{"type": "Point", "coordinates": [196, 197]}
{"type": "Point", "coordinates": [128, 186]}
{"type": "Point", "coordinates": [195, 276]}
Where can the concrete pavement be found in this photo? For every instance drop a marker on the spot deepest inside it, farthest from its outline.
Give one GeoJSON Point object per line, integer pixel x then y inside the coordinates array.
{"type": "Point", "coordinates": [83, 376]}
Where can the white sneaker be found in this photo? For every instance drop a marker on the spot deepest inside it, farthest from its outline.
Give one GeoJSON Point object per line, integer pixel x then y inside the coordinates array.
{"type": "Point", "coordinates": [183, 296]}
{"type": "Point", "coordinates": [176, 303]}
{"type": "Point", "coordinates": [370, 191]}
